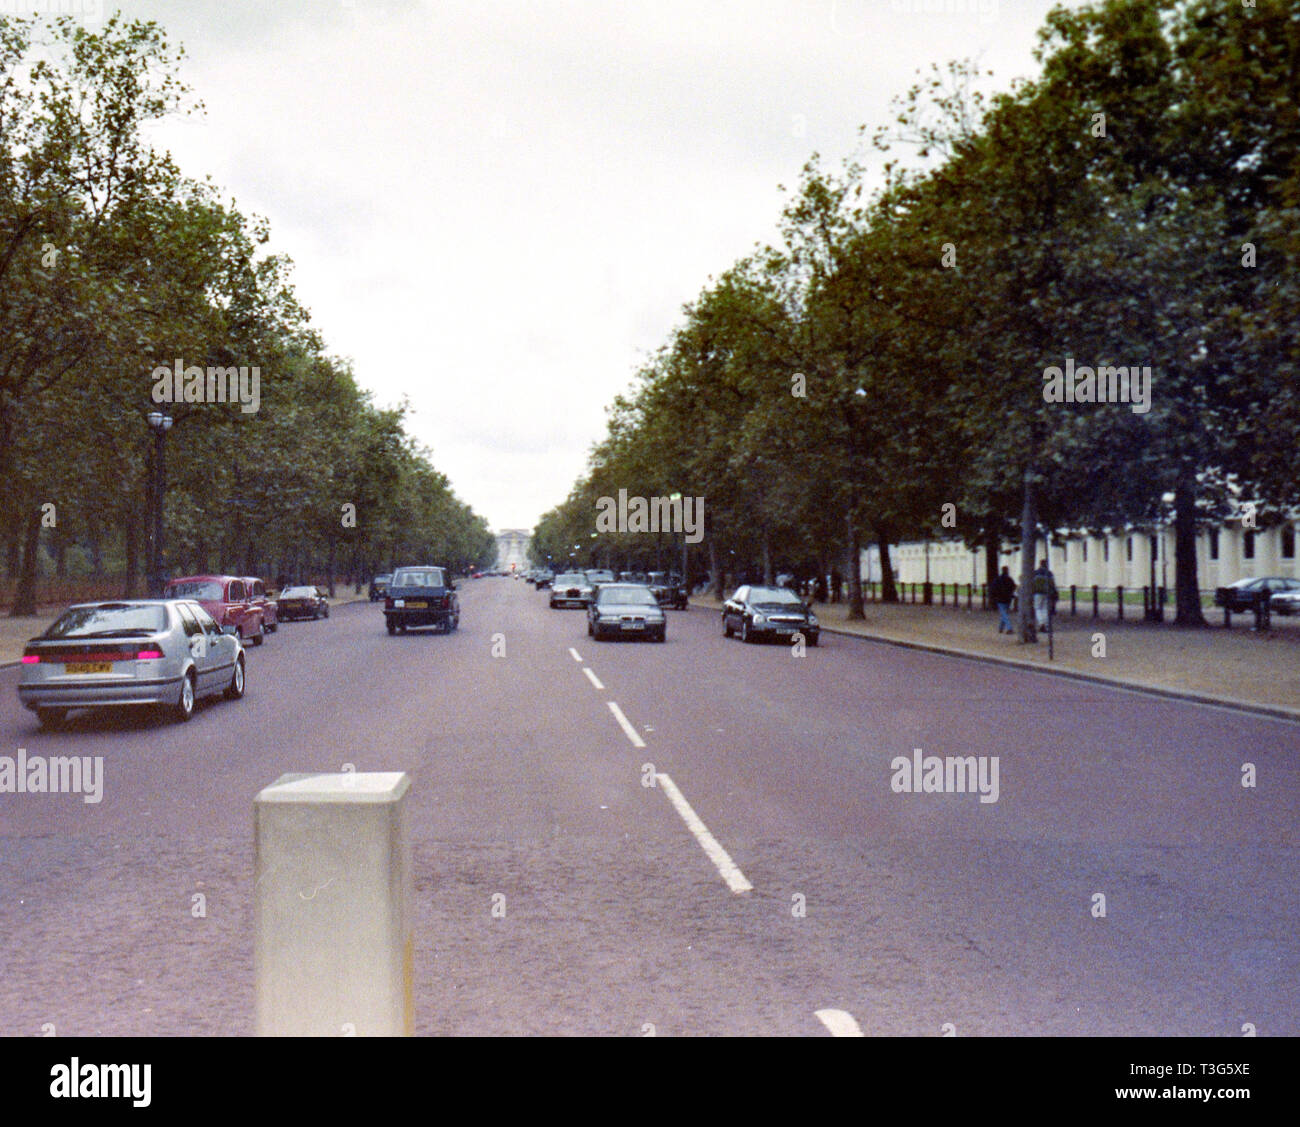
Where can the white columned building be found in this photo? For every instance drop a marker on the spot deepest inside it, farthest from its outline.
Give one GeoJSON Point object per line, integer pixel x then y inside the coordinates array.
{"type": "Point", "coordinates": [512, 548]}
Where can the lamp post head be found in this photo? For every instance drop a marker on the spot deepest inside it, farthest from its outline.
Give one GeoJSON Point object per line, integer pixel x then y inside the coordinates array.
{"type": "Point", "coordinates": [158, 421]}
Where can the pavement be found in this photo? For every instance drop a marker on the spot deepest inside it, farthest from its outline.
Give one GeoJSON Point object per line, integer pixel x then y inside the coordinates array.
{"type": "Point", "coordinates": [1235, 667]}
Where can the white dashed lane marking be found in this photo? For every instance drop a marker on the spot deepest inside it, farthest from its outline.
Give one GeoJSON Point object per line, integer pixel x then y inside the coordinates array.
{"type": "Point", "coordinates": [721, 859]}
{"type": "Point", "coordinates": [574, 654]}
{"type": "Point", "coordinates": [839, 1023]}
{"type": "Point", "coordinates": [592, 677]}
{"type": "Point", "coordinates": [626, 725]}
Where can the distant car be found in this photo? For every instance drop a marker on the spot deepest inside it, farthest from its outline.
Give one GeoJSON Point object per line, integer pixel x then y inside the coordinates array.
{"type": "Point", "coordinates": [226, 598]}
{"type": "Point", "coordinates": [257, 595]}
{"type": "Point", "coordinates": [163, 653]}
{"type": "Point", "coordinates": [1243, 595]}
{"type": "Point", "coordinates": [303, 602]}
{"type": "Point", "coordinates": [598, 575]}
{"type": "Point", "coordinates": [1286, 603]}
{"type": "Point", "coordinates": [757, 613]}
{"type": "Point", "coordinates": [634, 577]}
{"type": "Point", "coordinates": [379, 586]}
{"type": "Point", "coordinates": [669, 590]}
{"type": "Point", "coordinates": [544, 578]}
{"type": "Point", "coordinates": [421, 596]}
{"type": "Point", "coordinates": [626, 610]}
{"type": "Point", "coordinates": [570, 589]}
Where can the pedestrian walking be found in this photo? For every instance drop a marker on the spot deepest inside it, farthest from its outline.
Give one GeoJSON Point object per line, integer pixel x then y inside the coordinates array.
{"type": "Point", "coordinates": [1044, 594]}
{"type": "Point", "coordinates": [1004, 590]}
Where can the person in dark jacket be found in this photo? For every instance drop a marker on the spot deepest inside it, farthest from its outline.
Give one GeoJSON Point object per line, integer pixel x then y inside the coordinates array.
{"type": "Point", "coordinates": [1044, 595]}
{"type": "Point", "coordinates": [1003, 591]}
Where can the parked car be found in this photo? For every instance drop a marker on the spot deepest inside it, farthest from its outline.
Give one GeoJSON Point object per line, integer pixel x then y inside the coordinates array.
{"type": "Point", "coordinates": [225, 597]}
{"type": "Point", "coordinates": [379, 586]}
{"type": "Point", "coordinates": [303, 602]}
{"type": "Point", "coordinates": [768, 612]}
{"type": "Point", "coordinates": [1285, 603]}
{"type": "Point", "coordinates": [544, 578]}
{"type": "Point", "coordinates": [571, 589]}
{"type": "Point", "coordinates": [669, 589]}
{"type": "Point", "coordinates": [257, 595]}
{"type": "Point", "coordinates": [421, 596]}
{"type": "Point", "coordinates": [1243, 595]}
{"type": "Point", "coordinates": [626, 610]}
{"type": "Point", "coordinates": [160, 653]}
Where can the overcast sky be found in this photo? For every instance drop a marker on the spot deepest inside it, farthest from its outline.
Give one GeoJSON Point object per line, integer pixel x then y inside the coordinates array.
{"type": "Point", "coordinates": [497, 208]}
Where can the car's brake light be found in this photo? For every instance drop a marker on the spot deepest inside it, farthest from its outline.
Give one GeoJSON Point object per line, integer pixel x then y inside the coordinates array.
{"type": "Point", "coordinates": [30, 659]}
{"type": "Point", "coordinates": [149, 655]}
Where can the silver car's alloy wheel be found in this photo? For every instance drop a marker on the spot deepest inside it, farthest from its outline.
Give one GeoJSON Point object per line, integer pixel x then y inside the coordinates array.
{"type": "Point", "coordinates": [235, 689]}
{"type": "Point", "coordinates": [184, 707]}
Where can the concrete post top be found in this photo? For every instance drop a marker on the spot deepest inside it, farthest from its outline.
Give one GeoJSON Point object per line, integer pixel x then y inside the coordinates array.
{"type": "Point", "coordinates": [345, 786]}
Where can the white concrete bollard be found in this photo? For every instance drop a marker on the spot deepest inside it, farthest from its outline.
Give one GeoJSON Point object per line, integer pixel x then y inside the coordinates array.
{"type": "Point", "coordinates": [333, 934]}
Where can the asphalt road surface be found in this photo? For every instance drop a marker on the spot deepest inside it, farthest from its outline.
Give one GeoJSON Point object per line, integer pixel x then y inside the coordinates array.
{"type": "Point", "coordinates": [910, 913]}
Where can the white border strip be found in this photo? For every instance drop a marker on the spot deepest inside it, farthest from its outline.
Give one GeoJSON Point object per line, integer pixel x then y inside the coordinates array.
{"type": "Point", "coordinates": [722, 861]}
{"type": "Point", "coordinates": [592, 678]}
{"type": "Point", "coordinates": [840, 1023]}
{"type": "Point", "coordinates": [626, 725]}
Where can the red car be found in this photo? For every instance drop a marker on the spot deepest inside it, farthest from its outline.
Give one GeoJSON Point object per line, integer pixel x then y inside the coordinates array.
{"type": "Point", "coordinates": [226, 598]}
{"type": "Point", "coordinates": [270, 608]}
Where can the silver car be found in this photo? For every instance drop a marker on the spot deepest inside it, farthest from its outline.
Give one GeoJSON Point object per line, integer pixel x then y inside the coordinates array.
{"type": "Point", "coordinates": [570, 589]}
{"type": "Point", "coordinates": [166, 653]}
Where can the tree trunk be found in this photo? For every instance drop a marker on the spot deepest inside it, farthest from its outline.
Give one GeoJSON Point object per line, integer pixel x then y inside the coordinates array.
{"type": "Point", "coordinates": [767, 559]}
{"type": "Point", "coordinates": [715, 573]}
{"type": "Point", "coordinates": [131, 552]}
{"type": "Point", "coordinates": [1186, 580]}
{"type": "Point", "coordinates": [888, 591]}
{"type": "Point", "coordinates": [25, 596]}
{"type": "Point", "coordinates": [331, 566]}
{"type": "Point", "coordinates": [856, 610]}
{"type": "Point", "coordinates": [1028, 546]}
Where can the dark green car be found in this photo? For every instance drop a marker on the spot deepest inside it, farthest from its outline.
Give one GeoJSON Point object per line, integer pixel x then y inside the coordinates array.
{"type": "Point", "coordinates": [421, 596]}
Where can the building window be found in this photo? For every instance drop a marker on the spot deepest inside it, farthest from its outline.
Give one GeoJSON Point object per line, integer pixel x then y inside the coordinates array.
{"type": "Point", "coordinates": [1084, 545]}
{"type": "Point", "coordinates": [1288, 541]}
{"type": "Point", "coordinates": [1128, 549]}
{"type": "Point", "coordinates": [1105, 550]}
{"type": "Point", "coordinates": [1214, 543]}
{"type": "Point", "coordinates": [1155, 547]}
{"type": "Point", "coordinates": [1248, 545]}
{"type": "Point", "coordinates": [1065, 554]}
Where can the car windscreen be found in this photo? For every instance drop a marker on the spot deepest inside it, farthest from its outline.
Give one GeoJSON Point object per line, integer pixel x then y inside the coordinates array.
{"type": "Point", "coordinates": [774, 597]}
{"type": "Point", "coordinates": [298, 593]}
{"type": "Point", "coordinates": [570, 580]}
{"type": "Point", "coordinates": [626, 596]}
{"type": "Point", "coordinates": [421, 577]}
{"type": "Point", "coordinates": [108, 621]}
{"type": "Point", "coordinates": [208, 589]}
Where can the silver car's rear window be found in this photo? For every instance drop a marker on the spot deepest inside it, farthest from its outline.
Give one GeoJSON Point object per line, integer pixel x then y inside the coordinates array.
{"type": "Point", "coordinates": [627, 595]}
{"type": "Point", "coordinates": [87, 622]}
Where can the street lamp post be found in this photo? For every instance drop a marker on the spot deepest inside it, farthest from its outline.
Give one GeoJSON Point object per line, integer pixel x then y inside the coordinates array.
{"type": "Point", "coordinates": [160, 424]}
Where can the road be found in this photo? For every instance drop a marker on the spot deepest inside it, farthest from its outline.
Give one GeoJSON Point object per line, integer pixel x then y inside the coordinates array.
{"type": "Point", "coordinates": [912, 913]}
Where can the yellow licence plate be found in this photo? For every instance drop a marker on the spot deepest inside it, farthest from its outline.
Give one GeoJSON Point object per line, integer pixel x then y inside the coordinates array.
{"type": "Point", "coordinates": [416, 603]}
{"type": "Point", "coordinates": [89, 667]}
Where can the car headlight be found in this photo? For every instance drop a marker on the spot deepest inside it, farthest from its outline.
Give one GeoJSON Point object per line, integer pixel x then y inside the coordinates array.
{"type": "Point", "coordinates": [758, 618]}
{"type": "Point", "coordinates": [812, 620]}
